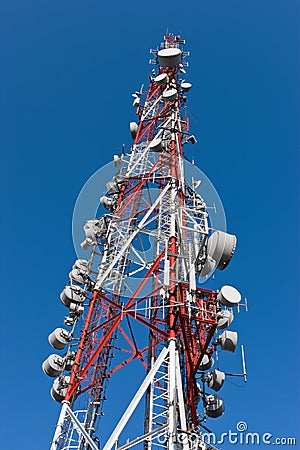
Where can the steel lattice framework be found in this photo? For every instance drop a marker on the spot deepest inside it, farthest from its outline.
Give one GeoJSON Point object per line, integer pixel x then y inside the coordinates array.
{"type": "Point", "coordinates": [141, 303]}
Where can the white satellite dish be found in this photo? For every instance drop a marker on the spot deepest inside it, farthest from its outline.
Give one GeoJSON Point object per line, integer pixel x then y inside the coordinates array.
{"type": "Point", "coordinates": [53, 365]}
{"type": "Point", "coordinates": [156, 145]}
{"type": "Point", "coordinates": [59, 388]}
{"type": "Point", "coordinates": [133, 127]}
{"type": "Point", "coordinates": [73, 294]}
{"type": "Point", "coordinates": [224, 318]}
{"type": "Point", "coordinates": [162, 78]}
{"type": "Point", "coordinates": [215, 380]}
{"type": "Point", "coordinates": [228, 340]}
{"type": "Point", "coordinates": [79, 272]}
{"type": "Point", "coordinates": [208, 266]}
{"type": "Point", "coordinates": [92, 227]}
{"type": "Point", "coordinates": [78, 276]}
{"type": "Point", "coordinates": [81, 264]}
{"type": "Point", "coordinates": [169, 57]}
{"type": "Point", "coordinates": [206, 363]}
{"type": "Point", "coordinates": [185, 86]}
{"type": "Point", "coordinates": [59, 338]}
{"type": "Point", "coordinates": [107, 202]}
{"type": "Point", "coordinates": [229, 296]}
{"type": "Point", "coordinates": [214, 405]}
{"type": "Point", "coordinates": [220, 247]}
{"type": "Point", "coordinates": [170, 94]}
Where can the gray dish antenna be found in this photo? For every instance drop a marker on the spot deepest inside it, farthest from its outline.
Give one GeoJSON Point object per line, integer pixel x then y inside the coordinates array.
{"type": "Point", "coordinates": [214, 405]}
{"type": "Point", "coordinates": [59, 338]}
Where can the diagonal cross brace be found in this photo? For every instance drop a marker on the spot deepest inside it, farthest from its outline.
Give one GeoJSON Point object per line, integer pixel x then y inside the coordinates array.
{"type": "Point", "coordinates": [131, 238]}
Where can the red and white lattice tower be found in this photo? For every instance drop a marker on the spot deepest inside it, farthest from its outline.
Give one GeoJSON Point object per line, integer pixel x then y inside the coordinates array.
{"type": "Point", "coordinates": [129, 304]}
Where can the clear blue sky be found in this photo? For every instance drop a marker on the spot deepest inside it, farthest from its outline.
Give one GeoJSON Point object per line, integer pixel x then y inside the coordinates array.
{"type": "Point", "coordinates": [68, 69]}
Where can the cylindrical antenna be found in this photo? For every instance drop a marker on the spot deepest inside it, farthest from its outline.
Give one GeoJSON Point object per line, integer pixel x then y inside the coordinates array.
{"type": "Point", "coordinates": [244, 364]}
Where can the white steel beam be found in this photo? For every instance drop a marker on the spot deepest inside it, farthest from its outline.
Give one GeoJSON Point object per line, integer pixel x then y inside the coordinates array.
{"type": "Point", "coordinates": [181, 405]}
{"type": "Point", "coordinates": [80, 429]}
{"type": "Point", "coordinates": [59, 426]}
{"type": "Point", "coordinates": [150, 419]}
{"type": "Point", "coordinates": [136, 399]}
{"type": "Point", "coordinates": [172, 420]}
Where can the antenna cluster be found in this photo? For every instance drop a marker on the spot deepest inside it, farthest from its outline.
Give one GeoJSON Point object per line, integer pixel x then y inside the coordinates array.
{"type": "Point", "coordinates": [148, 253]}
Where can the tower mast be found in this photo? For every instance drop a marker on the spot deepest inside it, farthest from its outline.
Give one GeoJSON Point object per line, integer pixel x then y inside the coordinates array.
{"type": "Point", "coordinates": [128, 302]}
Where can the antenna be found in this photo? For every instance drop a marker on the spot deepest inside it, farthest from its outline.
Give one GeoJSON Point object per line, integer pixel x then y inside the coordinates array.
{"type": "Point", "coordinates": [244, 364]}
{"type": "Point", "coordinates": [245, 304]}
{"type": "Point", "coordinates": [244, 374]}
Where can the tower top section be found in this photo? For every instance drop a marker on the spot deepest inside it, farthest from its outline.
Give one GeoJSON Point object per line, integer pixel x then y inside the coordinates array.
{"type": "Point", "coordinates": [170, 40]}
{"type": "Point", "coordinates": [171, 52]}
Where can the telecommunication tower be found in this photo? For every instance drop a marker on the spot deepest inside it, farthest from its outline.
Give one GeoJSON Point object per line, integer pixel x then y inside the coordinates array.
{"type": "Point", "coordinates": [137, 295]}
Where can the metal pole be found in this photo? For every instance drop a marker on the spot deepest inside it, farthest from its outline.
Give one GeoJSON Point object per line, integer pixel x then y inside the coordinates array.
{"type": "Point", "coordinates": [172, 393]}
{"type": "Point", "coordinates": [181, 405]}
{"type": "Point", "coordinates": [59, 425]}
